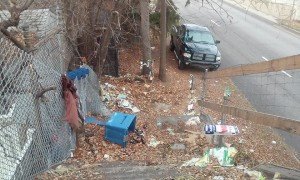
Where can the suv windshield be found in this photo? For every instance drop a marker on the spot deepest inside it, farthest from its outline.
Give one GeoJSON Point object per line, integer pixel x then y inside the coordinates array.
{"type": "Point", "coordinates": [195, 36]}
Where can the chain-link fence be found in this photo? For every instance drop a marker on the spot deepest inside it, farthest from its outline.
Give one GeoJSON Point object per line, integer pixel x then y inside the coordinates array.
{"type": "Point", "coordinates": [33, 132]}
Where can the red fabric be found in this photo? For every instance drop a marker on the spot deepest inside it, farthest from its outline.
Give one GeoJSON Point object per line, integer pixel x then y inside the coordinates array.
{"type": "Point", "coordinates": [71, 110]}
{"type": "Point", "coordinates": [71, 102]}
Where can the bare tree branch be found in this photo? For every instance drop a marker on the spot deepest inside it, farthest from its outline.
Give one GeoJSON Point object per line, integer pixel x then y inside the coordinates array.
{"type": "Point", "coordinates": [14, 20]}
{"type": "Point", "coordinates": [26, 5]}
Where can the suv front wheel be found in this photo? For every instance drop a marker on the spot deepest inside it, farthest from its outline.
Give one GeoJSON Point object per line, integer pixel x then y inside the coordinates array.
{"type": "Point", "coordinates": [181, 64]}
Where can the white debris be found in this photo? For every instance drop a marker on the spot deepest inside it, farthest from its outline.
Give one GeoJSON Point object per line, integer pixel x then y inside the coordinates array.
{"type": "Point", "coordinates": [153, 142]}
{"type": "Point", "coordinates": [135, 109]}
{"type": "Point", "coordinates": [171, 131]}
{"type": "Point", "coordinates": [106, 156]}
{"type": "Point", "coordinates": [193, 121]}
{"type": "Point", "coordinates": [190, 107]}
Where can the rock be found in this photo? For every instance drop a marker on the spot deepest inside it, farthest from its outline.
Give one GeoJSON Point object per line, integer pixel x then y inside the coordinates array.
{"type": "Point", "coordinates": [178, 146]}
{"type": "Point", "coordinates": [153, 142]}
{"type": "Point", "coordinates": [162, 106]}
{"type": "Point", "coordinates": [193, 121]}
{"type": "Point", "coordinates": [253, 174]}
{"type": "Point", "coordinates": [277, 175]}
{"type": "Point", "coordinates": [61, 169]}
{"type": "Point", "coordinates": [106, 156]}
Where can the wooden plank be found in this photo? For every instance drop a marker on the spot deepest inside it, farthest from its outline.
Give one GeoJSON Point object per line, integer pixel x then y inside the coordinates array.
{"type": "Point", "coordinates": [286, 63]}
{"type": "Point", "coordinates": [285, 173]}
{"type": "Point", "coordinates": [278, 122]}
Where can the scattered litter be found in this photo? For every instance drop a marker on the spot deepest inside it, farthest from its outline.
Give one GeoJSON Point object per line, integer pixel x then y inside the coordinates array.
{"type": "Point", "coordinates": [221, 129]}
{"type": "Point", "coordinates": [106, 97]}
{"type": "Point", "coordinates": [171, 131]}
{"type": "Point", "coordinates": [152, 48]}
{"type": "Point", "coordinates": [106, 156]}
{"type": "Point", "coordinates": [251, 150]}
{"type": "Point", "coordinates": [178, 146]}
{"type": "Point", "coordinates": [138, 137]}
{"type": "Point", "coordinates": [224, 155]}
{"type": "Point", "coordinates": [147, 86]}
{"type": "Point", "coordinates": [192, 113]}
{"type": "Point", "coordinates": [218, 178]}
{"type": "Point", "coordinates": [203, 161]}
{"type": "Point", "coordinates": [241, 141]}
{"type": "Point", "coordinates": [190, 107]}
{"type": "Point", "coordinates": [153, 142]}
{"type": "Point", "coordinates": [109, 86]}
{"type": "Point", "coordinates": [126, 104]}
{"type": "Point", "coordinates": [241, 167]}
{"type": "Point", "coordinates": [273, 142]}
{"type": "Point", "coordinates": [122, 96]}
{"type": "Point", "coordinates": [135, 109]}
{"type": "Point", "coordinates": [193, 121]}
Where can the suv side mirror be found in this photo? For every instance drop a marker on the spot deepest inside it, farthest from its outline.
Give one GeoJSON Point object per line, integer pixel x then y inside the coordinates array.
{"type": "Point", "coordinates": [217, 41]}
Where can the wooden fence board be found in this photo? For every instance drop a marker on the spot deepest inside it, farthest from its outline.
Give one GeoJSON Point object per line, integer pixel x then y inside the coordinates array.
{"type": "Point", "coordinates": [278, 122]}
{"type": "Point", "coordinates": [286, 63]}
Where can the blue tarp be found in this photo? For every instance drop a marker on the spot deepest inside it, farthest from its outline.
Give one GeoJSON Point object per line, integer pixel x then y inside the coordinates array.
{"type": "Point", "coordinates": [78, 73]}
{"type": "Point", "coordinates": [92, 120]}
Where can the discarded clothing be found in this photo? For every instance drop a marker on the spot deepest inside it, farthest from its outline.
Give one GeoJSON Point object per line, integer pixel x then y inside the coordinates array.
{"type": "Point", "coordinates": [71, 102]}
{"type": "Point", "coordinates": [224, 155]}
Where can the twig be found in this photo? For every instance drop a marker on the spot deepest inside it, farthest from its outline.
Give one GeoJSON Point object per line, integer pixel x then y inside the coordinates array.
{"type": "Point", "coordinates": [42, 92]}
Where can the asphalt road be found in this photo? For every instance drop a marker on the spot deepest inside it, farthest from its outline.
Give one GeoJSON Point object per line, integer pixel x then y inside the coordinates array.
{"type": "Point", "coordinates": [248, 38]}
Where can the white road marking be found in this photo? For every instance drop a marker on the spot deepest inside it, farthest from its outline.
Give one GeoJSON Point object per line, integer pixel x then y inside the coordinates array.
{"type": "Point", "coordinates": [265, 58]}
{"type": "Point", "coordinates": [215, 23]}
{"type": "Point", "coordinates": [281, 71]}
{"type": "Point", "coordinates": [287, 74]}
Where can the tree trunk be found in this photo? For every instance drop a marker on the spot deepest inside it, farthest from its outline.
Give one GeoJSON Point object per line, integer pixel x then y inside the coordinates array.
{"type": "Point", "coordinates": [163, 28]}
{"type": "Point", "coordinates": [145, 35]}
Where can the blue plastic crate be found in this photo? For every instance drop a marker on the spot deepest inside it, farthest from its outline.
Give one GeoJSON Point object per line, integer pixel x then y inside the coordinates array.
{"type": "Point", "coordinates": [118, 127]}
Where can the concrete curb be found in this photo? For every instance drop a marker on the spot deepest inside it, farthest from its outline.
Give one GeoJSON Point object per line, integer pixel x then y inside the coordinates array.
{"type": "Point", "coordinates": [254, 13]}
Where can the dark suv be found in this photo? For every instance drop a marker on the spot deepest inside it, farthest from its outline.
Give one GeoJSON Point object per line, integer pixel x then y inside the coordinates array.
{"type": "Point", "coordinates": [195, 45]}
